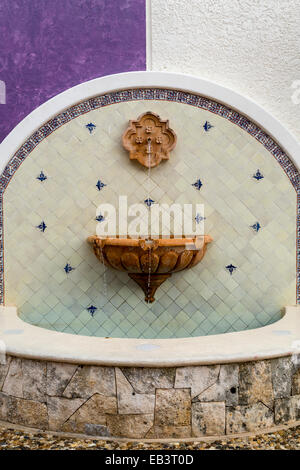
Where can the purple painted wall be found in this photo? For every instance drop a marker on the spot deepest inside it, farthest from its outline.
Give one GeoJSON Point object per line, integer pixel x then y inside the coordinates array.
{"type": "Point", "coordinates": [49, 46]}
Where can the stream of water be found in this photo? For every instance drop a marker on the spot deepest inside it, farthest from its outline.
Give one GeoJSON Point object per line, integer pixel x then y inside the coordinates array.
{"type": "Point", "coordinates": [104, 273]}
{"type": "Point", "coordinates": [149, 149]}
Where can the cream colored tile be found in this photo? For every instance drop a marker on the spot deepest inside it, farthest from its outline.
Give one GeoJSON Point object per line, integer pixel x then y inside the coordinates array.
{"type": "Point", "coordinates": [224, 159]}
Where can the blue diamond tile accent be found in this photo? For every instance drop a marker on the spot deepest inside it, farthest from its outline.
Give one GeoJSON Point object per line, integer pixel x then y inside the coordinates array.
{"type": "Point", "coordinates": [92, 309]}
{"type": "Point", "coordinates": [91, 127]}
{"type": "Point", "coordinates": [100, 185]}
{"type": "Point", "coordinates": [198, 184]}
{"type": "Point", "coordinates": [199, 218]}
{"type": "Point", "coordinates": [207, 126]}
{"type": "Point", "coordinates": [42, 226]}
{"type": "Point", "coordinates": [149, 202]}
{"type": "Point", "coordinates": [258, 176]}
{"type": "Point", "coordinates": [68, 268]}
{"type": "Point", "coordinates": [256, 227]}
{"type": "Point", "coordinates": [231, 268]}
{"type": "Point", "coordinates": [42, 177]}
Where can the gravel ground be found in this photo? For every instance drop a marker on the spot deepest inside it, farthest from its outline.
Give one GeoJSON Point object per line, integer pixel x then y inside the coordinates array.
{"type": "Point", "coordinates": [11, 439]}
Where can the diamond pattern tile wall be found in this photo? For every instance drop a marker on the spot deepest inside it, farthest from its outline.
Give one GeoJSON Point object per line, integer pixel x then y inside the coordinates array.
{"type": "Point", "coordinates": [205, 300]}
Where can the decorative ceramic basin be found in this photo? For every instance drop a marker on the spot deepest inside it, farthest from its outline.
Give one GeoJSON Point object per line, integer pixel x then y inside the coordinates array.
{"type": "Point", "coordinates": [149, 262]}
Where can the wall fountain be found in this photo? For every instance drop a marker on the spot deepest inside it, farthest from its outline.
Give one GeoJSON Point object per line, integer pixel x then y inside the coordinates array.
{"type": "Point", "coordinates": [212, 355]}
{"type": "Point", "coordinates": [150, 261]}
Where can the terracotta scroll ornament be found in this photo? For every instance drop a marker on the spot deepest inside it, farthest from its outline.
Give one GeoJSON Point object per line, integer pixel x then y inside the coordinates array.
{"type": "Point", "coordinates": [149, 140]}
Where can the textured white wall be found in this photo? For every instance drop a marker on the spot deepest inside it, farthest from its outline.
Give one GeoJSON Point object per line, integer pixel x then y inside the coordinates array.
{"type": "Point", "coordinates": [250, 46]}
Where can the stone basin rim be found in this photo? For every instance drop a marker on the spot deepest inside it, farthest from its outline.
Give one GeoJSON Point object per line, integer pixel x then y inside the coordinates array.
{"type": "Point", "coordinates": [249, 345]}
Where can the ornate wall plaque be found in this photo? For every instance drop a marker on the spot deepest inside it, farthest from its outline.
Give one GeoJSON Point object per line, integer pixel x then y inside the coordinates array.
{"type": "Point", "coordinates": [149, 140]}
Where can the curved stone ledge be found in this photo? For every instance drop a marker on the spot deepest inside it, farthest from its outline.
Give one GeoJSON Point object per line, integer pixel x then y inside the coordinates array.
{"type": "Point", "coordinates": [27, 341]}
{"type": "Point", "coordinates": [150, 403]}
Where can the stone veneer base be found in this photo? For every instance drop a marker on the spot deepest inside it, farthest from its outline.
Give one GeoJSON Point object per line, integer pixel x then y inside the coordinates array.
{"type": "Point", "coordinates": [227, 384]}
{"type": "Point", "coordinates": [150, 403]}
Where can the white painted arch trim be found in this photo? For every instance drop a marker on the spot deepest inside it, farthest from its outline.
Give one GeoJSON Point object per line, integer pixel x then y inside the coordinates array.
{"type": "Point", "coordinates": [128, 80]}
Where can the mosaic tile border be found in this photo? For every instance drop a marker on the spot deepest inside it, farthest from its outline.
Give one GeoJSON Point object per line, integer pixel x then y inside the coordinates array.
{"type": "Point", "coordinates": [149, 94]}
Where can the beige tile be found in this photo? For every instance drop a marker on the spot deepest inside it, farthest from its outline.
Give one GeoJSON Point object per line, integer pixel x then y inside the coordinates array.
{"type": "Point", "coordinates": [224, 159]}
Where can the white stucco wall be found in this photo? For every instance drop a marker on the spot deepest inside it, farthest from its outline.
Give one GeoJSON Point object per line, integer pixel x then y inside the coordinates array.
{"type": "Point", "coordinates": [250, 46]}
